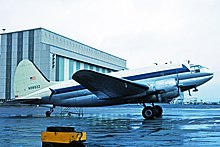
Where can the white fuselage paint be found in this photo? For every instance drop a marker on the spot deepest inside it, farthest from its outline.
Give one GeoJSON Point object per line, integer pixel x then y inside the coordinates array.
{"type": "Point", "coordinates": [71, 94]}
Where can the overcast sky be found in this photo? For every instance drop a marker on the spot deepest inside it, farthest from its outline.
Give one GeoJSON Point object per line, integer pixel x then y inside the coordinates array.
{"type": "Point", "coordinates": [141, 31]}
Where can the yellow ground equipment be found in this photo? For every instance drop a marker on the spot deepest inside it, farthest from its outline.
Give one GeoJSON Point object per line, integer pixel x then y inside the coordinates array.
{"type": "Point", "coordinates": [62, 136]}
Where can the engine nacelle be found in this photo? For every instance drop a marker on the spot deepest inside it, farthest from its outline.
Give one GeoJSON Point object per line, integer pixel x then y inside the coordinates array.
{"type": "Point", "coordinates": [163, 90]}
{"type": "Point", "coordinates": [165, 85]}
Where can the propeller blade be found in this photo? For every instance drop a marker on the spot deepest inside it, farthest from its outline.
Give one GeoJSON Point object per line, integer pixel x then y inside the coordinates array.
{"type": "Point", "coordinates": [189, 93]}
{"type": "Point", "coordinates": [178, 82]}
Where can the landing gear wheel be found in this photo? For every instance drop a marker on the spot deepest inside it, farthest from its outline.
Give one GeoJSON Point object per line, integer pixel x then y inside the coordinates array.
{"type": "Point", "coordinates": [148, 112]}
{"type": "Point", "coordinates": [159, 111]}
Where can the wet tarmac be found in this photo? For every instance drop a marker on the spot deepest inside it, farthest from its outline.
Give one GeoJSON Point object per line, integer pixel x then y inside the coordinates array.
{"type": "Point", "coordinates": [186, 125]}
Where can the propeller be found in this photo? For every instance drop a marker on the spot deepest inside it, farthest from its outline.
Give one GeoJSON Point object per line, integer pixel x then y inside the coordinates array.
{"type": "Point", "coordinates": [189, 93]}
{"type": "Point", "coordinates": [178, 82]}
{"type": "Point", "coordinates": [181, 94]}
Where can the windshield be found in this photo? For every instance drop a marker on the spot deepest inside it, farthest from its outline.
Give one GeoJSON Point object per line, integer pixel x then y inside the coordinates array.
{"type": "Point", "coordinates": [196, 68]}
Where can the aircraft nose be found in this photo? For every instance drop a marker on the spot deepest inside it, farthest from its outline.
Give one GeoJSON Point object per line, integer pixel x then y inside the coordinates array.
{"type": "Point", "coordinates": [210, 74]}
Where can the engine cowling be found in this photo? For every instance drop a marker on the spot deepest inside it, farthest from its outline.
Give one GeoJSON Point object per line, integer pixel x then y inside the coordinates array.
{"type": "Point", "coordinates": [163, 90]}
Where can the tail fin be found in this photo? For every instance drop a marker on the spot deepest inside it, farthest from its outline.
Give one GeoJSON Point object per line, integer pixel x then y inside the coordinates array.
{"type": "Point", "coordinates": [28, 79]}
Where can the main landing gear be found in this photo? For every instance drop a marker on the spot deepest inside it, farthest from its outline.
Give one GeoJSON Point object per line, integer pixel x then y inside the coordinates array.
{"type": "Point", "coordinates": [152, 112]}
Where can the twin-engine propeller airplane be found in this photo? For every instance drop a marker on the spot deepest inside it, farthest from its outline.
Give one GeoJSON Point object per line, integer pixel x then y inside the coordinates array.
{"type": "Point", "coordinates": [159, 83]}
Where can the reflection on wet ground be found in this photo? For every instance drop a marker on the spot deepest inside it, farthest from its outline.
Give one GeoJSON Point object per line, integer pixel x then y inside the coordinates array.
{"type": "Point", "coordinates": [117, 126]}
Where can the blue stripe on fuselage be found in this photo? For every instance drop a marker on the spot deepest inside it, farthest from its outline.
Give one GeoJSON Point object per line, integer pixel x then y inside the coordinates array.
{"type": "Point", "coordinates": [132, 78]}
{"type": "Point", "coordinates": [158, 74]}
{"type": "Point", "coordinates": [69, 89]}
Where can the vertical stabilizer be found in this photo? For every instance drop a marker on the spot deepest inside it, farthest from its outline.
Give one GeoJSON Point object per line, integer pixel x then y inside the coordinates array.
{"type": "Point", "coordinates": [28, 79]}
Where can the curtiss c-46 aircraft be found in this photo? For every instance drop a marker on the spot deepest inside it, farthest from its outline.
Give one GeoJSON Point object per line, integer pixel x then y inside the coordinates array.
{"type": "Point", "coordinates": [156, 84]}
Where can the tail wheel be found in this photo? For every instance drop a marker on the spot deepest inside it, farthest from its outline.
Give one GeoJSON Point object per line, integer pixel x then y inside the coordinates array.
{"type": "Point", "coordinates": [149, 112]}
{"type": "Point", "coordinates": [159, 111]}
{"type": "Point", "coordinates": [48, 113]}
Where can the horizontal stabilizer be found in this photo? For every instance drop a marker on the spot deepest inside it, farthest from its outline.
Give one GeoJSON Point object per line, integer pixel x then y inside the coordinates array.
{"type": "Point", "coordinates": [105, 86]}
{"type": "Point", "coordinates": [34, 100]}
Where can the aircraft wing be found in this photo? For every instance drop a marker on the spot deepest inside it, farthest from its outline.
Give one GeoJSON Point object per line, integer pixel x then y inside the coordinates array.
{"type": "Point", "coordinates": [105, 86]}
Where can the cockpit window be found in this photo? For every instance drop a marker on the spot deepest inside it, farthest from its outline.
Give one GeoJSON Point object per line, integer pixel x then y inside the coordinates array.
{"type": "Point", "coordinates": [195, 68]}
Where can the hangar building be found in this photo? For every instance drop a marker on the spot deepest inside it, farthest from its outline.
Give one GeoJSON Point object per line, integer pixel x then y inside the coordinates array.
{"type": "Point", "coordinates": [57, 56]}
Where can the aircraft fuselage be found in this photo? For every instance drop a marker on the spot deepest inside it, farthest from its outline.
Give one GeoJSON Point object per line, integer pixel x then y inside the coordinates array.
{"type": "Point", "coordinates": [71, 94]}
